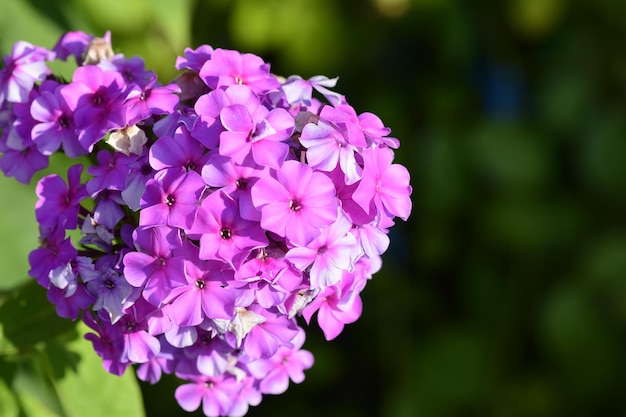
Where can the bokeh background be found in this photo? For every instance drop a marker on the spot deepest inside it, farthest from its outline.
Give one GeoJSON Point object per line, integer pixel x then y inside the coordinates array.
{"type": "Point", "coordinates": [505, 292]}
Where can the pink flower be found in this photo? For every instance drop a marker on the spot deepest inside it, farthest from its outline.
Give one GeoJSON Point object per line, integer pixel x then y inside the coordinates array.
{"type": "Point", "coordinates": [297, 204]}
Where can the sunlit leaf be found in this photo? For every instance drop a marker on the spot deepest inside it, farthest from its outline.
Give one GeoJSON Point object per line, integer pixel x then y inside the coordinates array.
{"type": "Point", "coordinates": [86, 389]}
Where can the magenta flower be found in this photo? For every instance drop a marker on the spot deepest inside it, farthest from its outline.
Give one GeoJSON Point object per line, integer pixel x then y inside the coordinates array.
{"type": "Point", "coordinates": [337, 305]}
{"type": "Point", "coordinates": [171, 198]}
{"type": "Point", "coordinates": [157, 268]}
{"type": "Point", "coordinates": [334, 251]}
{"type": "Point", "coordinates": [384, 185]}
{"type": "Point", "coordinates": [235, 180]}
{"type": "Point", "coordinates": [287, 364]}
{"type": "Point", "coordinates": [56, 125]}
{"type": "Point", "coordinates": [150, 99]}
{"type": "Point", "coordinates": [297, 204]}
{"type": "Point", "coordinates": [95, 96]}
{"type": "Point", "coordinates": [260, 136]}
{"type": "Point", "coordinates": [227, 67]}
{"type": "Point", "coordinates": [214, 393]}
{"type": "Point", "coordinates": [204, 296]}
{"type": "Point", "coordinates": [224, 235]}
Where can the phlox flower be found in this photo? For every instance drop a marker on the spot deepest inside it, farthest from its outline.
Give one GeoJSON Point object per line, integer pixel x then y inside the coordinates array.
{"type": "Point", "coordinates": [224, 235]}
{"type": "Point", "coordinates": [57, 202]}
{"type": "Point", "coordinates": [235, 180]}
{"type": "Point", "coordinates": [21, 162]}
{"type": "Point", "coordinates": [267, 336]}
{"type": "Point", "coordinates": [300, 91]}
{"type": "Point", "coordinates": [384, 185]}
{"type": "Point", "coordinates": [171, 198]}
{"type": "Point", "coordinates": [204, 296]}
{"type": "Point", "coordinates": [150, 99]}
{"type": "Point", "coordinates": [56, 125]}
{"type": "Point", "coordinates": [288, 363]}
{"type": "Point", "coordinates": [260, 137]}
{"type": "Point", "coordinates": [22, 68]}
{"type": "Point", "coordinates": [338, 305]}
{"type": "Point", "coordinates": [208, 127]}
{"type": "Point", "coordinates": [157, 268]}
{"type": "Point", "coordinates": [96, 97]}
{"type": "Point", "coordinates": [330, 254]}
{"type": "Point", "coordinates": [228, 67]}
{"type": "Point", "coordinates": [296, 204]}
{"type": "Point", "coordinates": [180, 150]}
{"type": "Point", "coordinates": [108, 343]}
{"type": "Point", "coordinates": [328, 147]}
{"type": "Point", "coordinates": [214, 393]}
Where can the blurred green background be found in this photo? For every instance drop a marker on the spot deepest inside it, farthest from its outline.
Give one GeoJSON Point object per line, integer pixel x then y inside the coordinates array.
{"type": "Point", "coordinates": [505, 293]}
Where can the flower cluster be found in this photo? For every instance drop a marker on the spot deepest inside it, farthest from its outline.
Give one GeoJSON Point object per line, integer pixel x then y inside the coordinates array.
{"type": "Point", "coordinates": [214, 211]}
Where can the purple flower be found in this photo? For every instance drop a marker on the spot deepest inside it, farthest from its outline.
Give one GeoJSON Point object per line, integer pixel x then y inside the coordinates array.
{"type": "Point", "coordinates": [108, 342]}
{"type": "Point", "coordinates": [57, 202]}
{"type": "Point", "coordinates": [72, 44]}
{"type": "Point", "coordinates": [56, 125]}
{"type": "Point", "coordinates": [297, 204]}
{"type": "Point", "coordinates": [150, 99]}
{"type": "Point", "coordinates": [55, 250]}
{"type": "Point", "coordinates": [194, 58]}
{"type": "Point", "coordinates": [96, 97]}
{"type": "Point", "coordinates": [181, 150]}
{"type": "Point", "coordinates": [23, 162]}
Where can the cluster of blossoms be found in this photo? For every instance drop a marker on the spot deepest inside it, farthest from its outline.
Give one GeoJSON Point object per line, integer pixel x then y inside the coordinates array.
{"type": "Point", "coordinates": [213, 212]}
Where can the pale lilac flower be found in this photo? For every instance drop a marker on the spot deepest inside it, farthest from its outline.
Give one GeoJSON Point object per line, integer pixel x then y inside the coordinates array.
{"type": "Point", "coordinates": [25, 66]}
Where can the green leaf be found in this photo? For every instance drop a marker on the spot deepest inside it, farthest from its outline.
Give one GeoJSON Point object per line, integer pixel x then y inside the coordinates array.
{"type": "Point", "coordinates": [85, 388]}
{"type": "Point", "coordinates": [27, 317]}
{"type": "Point", "coordinates": [8, 401]}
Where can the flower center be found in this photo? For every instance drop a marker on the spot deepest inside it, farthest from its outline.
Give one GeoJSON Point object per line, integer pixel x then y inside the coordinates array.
{"type": "Point", "coordinates": [169, 200]}
{"type": "Point", "coordinates": [295, 205]}
{"type": "Point", "coordinates": [226, 233]}
{"type": "Point", "coordinates": [109, 284]}
{"type": "Point", "coordinates": [200, 283]}
{"type": "Point", "coordinates": [241, 184]}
